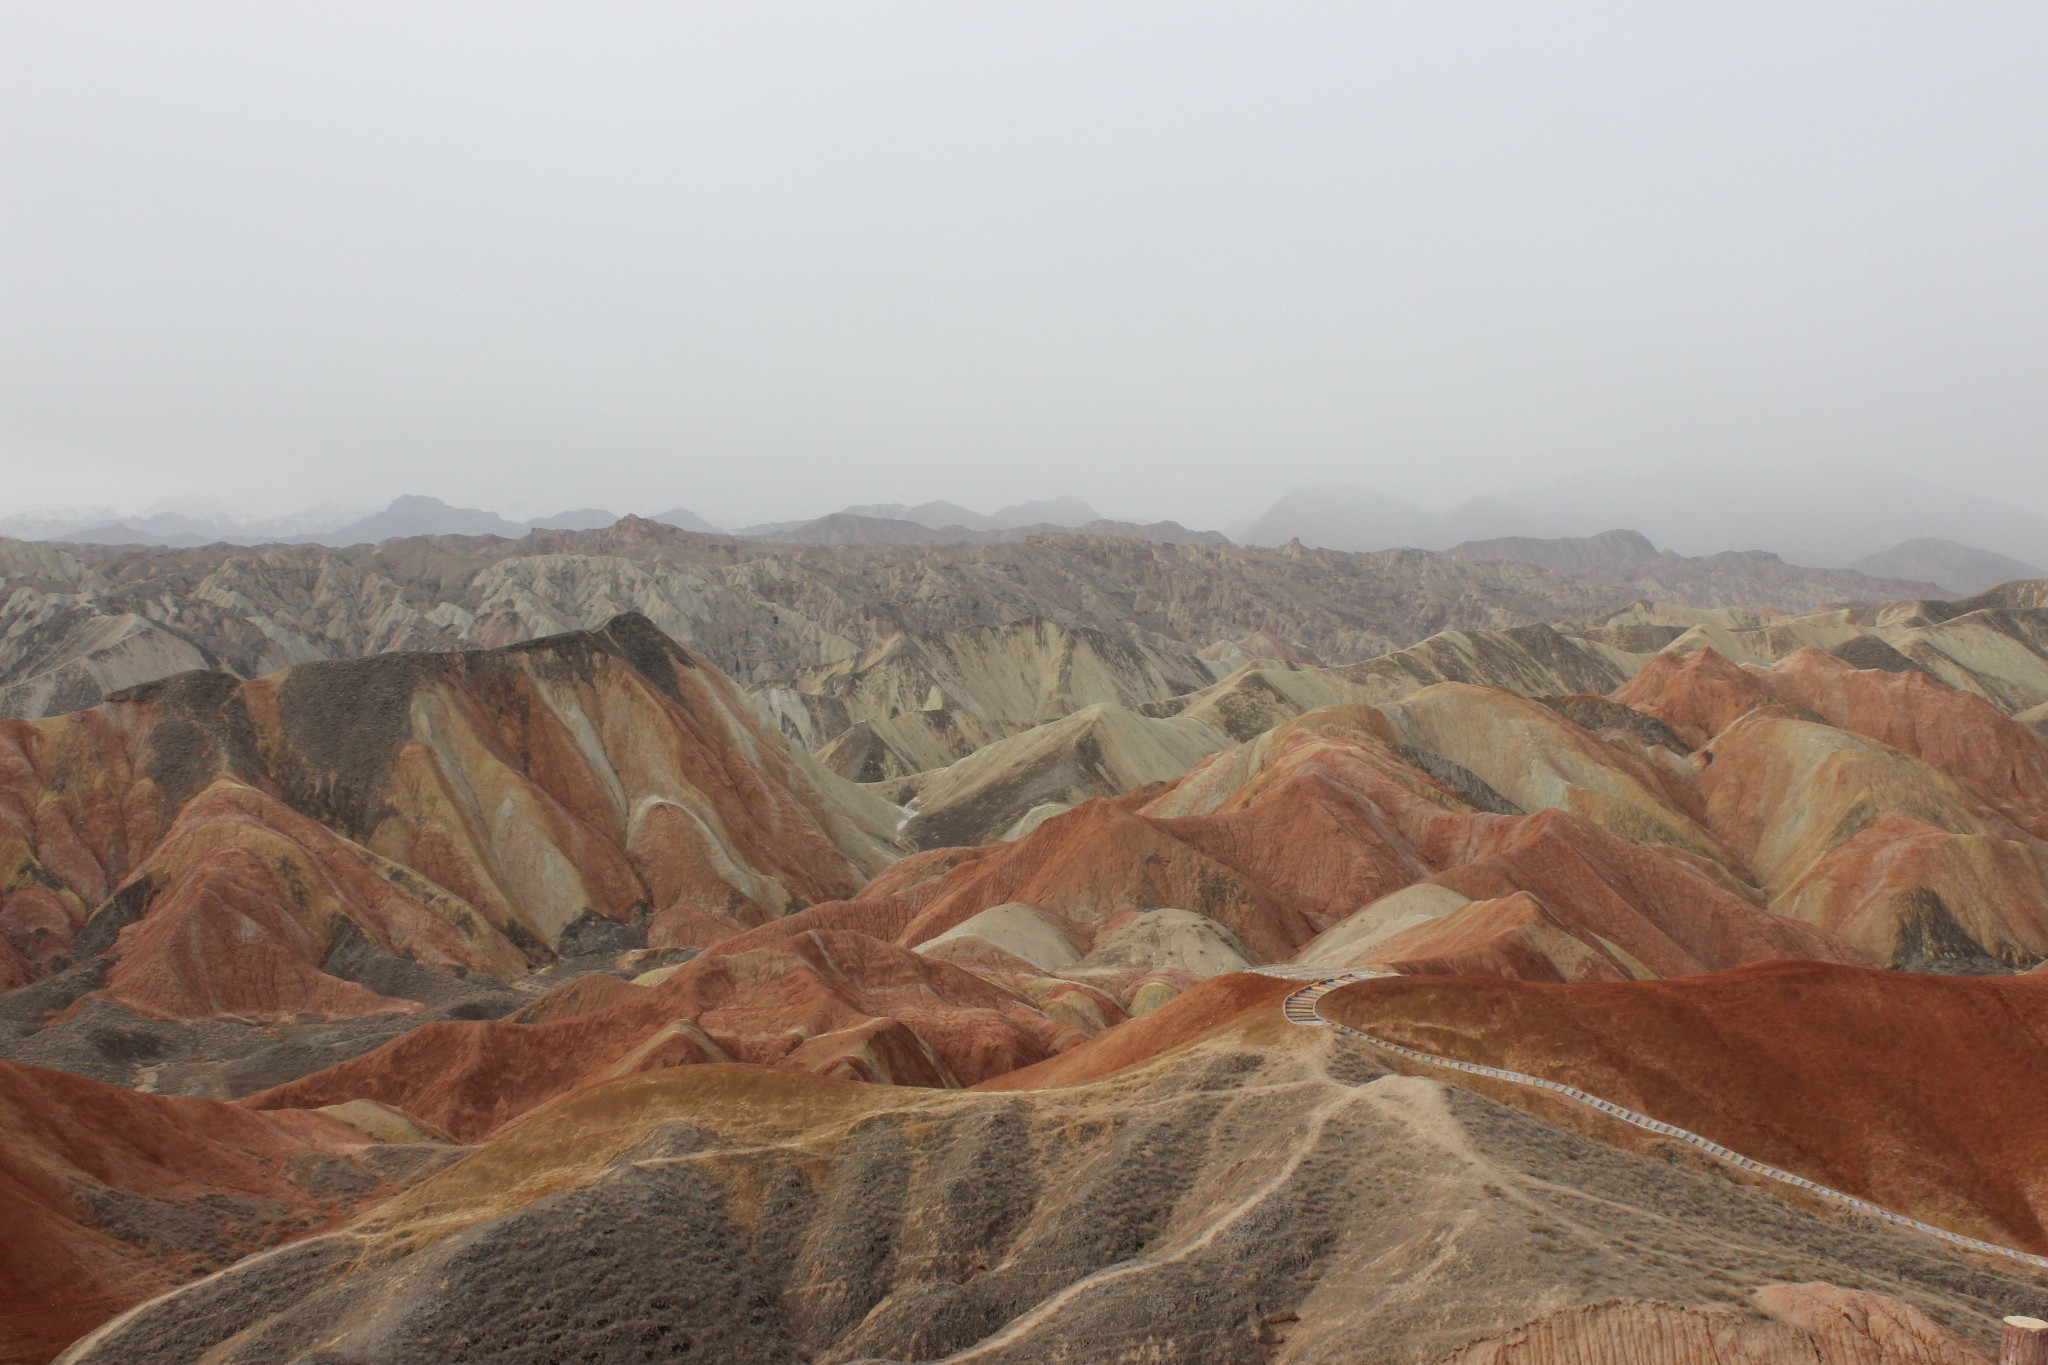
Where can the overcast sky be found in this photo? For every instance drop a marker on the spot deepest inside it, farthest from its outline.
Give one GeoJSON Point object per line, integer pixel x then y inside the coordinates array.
{"type": "Point", "coordinates": [765, 260]}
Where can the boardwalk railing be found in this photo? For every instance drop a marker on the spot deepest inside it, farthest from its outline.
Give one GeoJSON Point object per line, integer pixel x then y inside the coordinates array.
{"type": "Point", "coordinates": [1304, 1007]}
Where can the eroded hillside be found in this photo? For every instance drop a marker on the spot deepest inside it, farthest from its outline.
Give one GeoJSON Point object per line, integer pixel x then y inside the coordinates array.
{"type": "Point", "coordinates": [78, 622]}
{"type": "Point", "coordinates": [577, 917]}
{"type": "Point", "coordinates": [1260, 1193]}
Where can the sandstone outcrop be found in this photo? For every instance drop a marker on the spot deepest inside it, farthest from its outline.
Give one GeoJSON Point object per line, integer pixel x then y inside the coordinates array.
{"type": "Point", "coordinates": [1877, 847]}
{"type": "Point", "coordinates": [1994, 644]}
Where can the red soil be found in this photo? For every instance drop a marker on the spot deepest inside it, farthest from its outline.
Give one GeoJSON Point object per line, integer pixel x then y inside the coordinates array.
{"type": "Point", "coordinates": [1675, 916]}
{"type": "Point", "coordinates": [74, 1151]}
{"type": "Point", "coordinates": [1698, 693]}
{"type": "Point", "coordinates": [1512, 937]}
{"type": "Point", "coordinates": [826, 1000]}
{"type": "Point", "coordinates": [607, 770]}
{"type": "Point", "coordinates": [1927, 1094]}
{"type": "Point", "coordinates": [1996, 758]}
{"type": "Point", "coordinates": [1197, 1011]}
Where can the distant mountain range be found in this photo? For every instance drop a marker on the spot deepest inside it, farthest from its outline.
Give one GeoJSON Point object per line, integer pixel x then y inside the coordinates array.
{"type": "Point", "coordinates": [849, 528]}
{"type": "Point", "coordinates": [78, 622]}
{"type": "Point", "coordinates": [418, 515]}
{"type": "Point", "coordinates": [1958, 568]}
{"type": "Point", "coordinates": [1628, 559]}
{"type": "Point", "coordinates": [940, 515]}
{"type": "Point", "coordinates": [1890, 529]}
{"type": "Point", "coordinates": [176, 527]}
{"type": "Point", "coordinates": [1837, 519]}
{"type": "Point", "coordinates": [328, 524]}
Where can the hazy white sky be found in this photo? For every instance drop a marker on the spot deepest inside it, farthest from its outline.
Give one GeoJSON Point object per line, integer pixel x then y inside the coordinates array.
{"type": "Point", "coordinates": [764, 260]}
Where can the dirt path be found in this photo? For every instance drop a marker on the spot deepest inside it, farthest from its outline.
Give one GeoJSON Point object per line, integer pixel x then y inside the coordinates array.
{"type": "Point", "coordinates": [1304, 1007]}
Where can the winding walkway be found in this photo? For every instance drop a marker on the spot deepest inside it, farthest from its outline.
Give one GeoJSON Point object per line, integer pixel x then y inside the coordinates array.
{"type": "Point", "coordinates": [1304, 1007]}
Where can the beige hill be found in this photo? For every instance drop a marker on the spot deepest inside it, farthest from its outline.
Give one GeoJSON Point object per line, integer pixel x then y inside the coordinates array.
{"type": "Point", "coordinates": [767, 613]}
{"type": "Point", "coordinates": [55, 659]}
{"type": "Point", "coordinates": [913, 703]}
{"type": "Point", "coordinates": [1994, 646]}
{"type": "Point", "coordinates": [1902, 816]}
{"type": "Point", "coordinates": [1098, 751]}
{"type": "Point", "coordinates": [1055, 766]}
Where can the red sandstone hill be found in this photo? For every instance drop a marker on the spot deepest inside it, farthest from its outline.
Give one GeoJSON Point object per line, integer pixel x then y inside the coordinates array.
{"type": "Point", "coordinates": [833, 1002]}
{"type": "Point", "coordinates": [1546, 850]}
{"type": "Point", "coordinates": [2000, 760]}
{"type": "Point", "coordinates": [1927, 1094]}
{"type": "Point", "coordinates": [1324, 818]}
{"type": "Point", "coordinates": [219, 840]}
{"type": "Point", "coordinates": [215, 848]}
{"type": "Point", "coordinates": [112, 1196]}
{"type": "Point", "coordinates": [467, 812]}
{"type": "Point", "coordinates": [1888, 808]}
{"type": "Point", "coordinates": [939, 973]}
{"type": "Point", "coordinates": [1203, 1009]}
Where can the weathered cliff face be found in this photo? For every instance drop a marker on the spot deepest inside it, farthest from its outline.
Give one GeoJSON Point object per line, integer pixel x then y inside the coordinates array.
{"type": "Point", "coordinates": [209, 847]}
